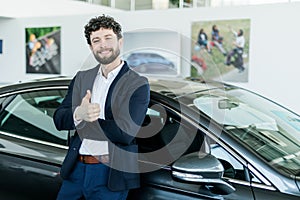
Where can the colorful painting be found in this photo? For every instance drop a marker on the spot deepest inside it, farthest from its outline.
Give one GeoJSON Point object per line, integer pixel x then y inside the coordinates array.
{"type": "Point", "coordinates": [220, 50]}
{"type": "Point", "coordinates": [43, 50]}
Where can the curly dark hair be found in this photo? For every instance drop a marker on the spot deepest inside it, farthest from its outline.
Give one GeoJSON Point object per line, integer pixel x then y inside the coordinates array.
{"type": "Point", "coordinates": [102, 21]}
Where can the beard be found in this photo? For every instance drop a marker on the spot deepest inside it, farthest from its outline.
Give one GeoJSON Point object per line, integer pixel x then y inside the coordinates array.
{"type": "Point", "coordinates": [107, 60]}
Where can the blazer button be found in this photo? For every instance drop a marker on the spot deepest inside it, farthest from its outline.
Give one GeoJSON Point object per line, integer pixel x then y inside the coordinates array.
{"type": "Point", "coordinates": [74, 149]}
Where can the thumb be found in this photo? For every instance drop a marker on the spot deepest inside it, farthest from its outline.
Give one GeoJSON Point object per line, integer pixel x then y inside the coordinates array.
{"type": "Point", "coordinates": [87, 97]}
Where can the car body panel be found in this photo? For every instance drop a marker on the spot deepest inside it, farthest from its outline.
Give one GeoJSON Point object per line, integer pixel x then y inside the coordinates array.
{"type": "Point", "coordinates": [22, 178]}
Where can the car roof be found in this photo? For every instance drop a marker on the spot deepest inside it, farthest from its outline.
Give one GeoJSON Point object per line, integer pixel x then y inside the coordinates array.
{"type": "Point", "coordinates": [179, 86]}
{"type": "Point", "coordinates": [176, 86]}
{"type": "Point", "coordinates": [35, 83]}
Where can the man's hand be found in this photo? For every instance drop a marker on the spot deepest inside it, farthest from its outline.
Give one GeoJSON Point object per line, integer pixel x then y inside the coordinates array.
{"type": "Point", "coordinates": [87, 111]}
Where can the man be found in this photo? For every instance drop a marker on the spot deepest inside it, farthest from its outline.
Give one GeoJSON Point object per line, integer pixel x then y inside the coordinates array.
{"type": "Point", "coordinates": [238, 50]}
{"type": "Point", "coordinates": [106, 106]}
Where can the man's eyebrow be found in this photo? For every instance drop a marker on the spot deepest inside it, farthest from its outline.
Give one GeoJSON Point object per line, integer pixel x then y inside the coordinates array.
{"type": "Point", "coordinates": [107, 35]}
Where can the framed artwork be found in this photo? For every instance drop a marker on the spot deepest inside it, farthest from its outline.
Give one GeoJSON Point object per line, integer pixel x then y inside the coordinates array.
{"type": "Point", "coordinates": [43, 54]}
{"type": "Point", "coordinates": [220, 50]}
{"type": "Point", "coordinates": [153, 52]}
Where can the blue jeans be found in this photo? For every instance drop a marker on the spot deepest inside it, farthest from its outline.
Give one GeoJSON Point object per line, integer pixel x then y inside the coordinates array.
{"type": "Point", "coordinates": [89, 182]}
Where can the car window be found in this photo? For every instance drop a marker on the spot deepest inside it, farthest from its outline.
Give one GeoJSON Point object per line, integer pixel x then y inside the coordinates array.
{"type": "Point", "coordinates": [165, 134]}
{"type": "Point", "coordinates": [266, 128]}
{"type": "Point", "coordinates": [180, 138]}
{"type": "Point", "coordinates": [30, 115]}
{"type": "Point", "coordinates": [233, 169]}
{"type": "Point", "coordinates": [172, 136]}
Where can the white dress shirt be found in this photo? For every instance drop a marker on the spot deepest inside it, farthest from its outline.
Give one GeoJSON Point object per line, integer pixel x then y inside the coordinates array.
{"type": "Point", "coordinates": [99, 94]}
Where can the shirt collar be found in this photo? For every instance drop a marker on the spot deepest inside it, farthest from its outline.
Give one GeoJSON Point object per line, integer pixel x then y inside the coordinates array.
{"type": "Point", "coordinates": [113, 73]}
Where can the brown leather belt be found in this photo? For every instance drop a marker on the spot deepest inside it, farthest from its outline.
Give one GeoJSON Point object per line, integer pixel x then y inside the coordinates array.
{"type": "Point", "coordinates": [88, 159]}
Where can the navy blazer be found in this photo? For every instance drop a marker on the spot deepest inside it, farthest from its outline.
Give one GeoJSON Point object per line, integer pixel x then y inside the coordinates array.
{"type": "Point", "coordinates": [125, 108]}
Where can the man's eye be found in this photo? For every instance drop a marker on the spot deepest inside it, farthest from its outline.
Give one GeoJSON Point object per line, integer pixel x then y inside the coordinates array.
{"type": "Point", "coordinates": [96, 41]}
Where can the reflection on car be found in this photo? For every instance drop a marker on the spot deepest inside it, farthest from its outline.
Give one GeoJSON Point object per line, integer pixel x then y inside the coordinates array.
{"type": "Point", "coordinates": [198, 141]}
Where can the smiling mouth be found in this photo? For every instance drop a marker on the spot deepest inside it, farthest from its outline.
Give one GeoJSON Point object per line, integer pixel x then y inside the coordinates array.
{"type": "Point", "coordinates": [105, 51]}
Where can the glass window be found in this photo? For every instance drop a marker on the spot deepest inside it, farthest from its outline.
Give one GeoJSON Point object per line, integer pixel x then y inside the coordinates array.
{"type": "Point", "coordinates": [165, 4]}
{"type": "Point", "coordinates": [216, 3]}
{"type": "Point", "coordinates": [143, 5]}
{"type": "Point", "coordinates": [187, 3]}
{"type": "Point", "coordinates": [123, 4]}
{"type": "Point", "coordinates": [165, 134]}
{"type": "Point", "coordinates": [173, 134]}
{"type": "Point", "coordinates": [172, 137]}
{"type": "Point", "coordinates": [30, 115]}
{"type": "Point", "coordinates": [254, 179]}
{"type": "Point", "coordinates": [232, 167]}
{"type": "Point", "coordinates": [266, 128]}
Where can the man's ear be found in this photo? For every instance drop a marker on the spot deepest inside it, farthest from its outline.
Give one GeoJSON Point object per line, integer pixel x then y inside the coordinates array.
{"type": "Point", "coordinates": [121, 42]}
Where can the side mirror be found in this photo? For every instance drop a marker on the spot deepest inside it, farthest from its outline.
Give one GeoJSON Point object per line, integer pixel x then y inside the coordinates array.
{"type": "Point", "coordinates": [202, 168]}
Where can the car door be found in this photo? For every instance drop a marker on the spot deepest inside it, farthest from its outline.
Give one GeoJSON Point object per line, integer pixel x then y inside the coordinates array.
{"type": "Point", "coordinates": [176, 137]}
{"type": "Point", "coordinates": [31, 149]}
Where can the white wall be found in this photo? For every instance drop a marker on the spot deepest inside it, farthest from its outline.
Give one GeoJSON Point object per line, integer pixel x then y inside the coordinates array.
{"type": "Point", "coordinates": [13, 59]}
{"type": "Point", "coordinates": [274, 42]}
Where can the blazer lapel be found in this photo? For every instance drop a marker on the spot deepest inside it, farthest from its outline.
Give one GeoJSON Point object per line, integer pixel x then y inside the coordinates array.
{"type": "Point", "coordinates": [89, 80]}
{"type": "Point", "coordinates": [108, 101]}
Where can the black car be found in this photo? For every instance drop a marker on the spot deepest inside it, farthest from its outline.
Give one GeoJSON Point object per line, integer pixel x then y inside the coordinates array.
{"type": "Point", "coordinates": [199, 140]}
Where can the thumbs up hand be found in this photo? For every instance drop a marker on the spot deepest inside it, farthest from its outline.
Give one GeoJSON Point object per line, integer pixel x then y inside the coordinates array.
{"type": "Point", "coordinates": [87, 111]}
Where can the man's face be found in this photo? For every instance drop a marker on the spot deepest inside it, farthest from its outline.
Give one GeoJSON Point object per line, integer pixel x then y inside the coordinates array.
{"type": "Point", "coordinates": [105, 45]}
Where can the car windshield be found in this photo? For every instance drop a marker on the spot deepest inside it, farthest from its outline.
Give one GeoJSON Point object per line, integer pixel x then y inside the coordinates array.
{"type": "Point", "coordinates": [263, 126]}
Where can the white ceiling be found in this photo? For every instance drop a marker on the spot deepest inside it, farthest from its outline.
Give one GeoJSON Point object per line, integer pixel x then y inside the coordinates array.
{"type": "Point", "coordinates": [42, 8]}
